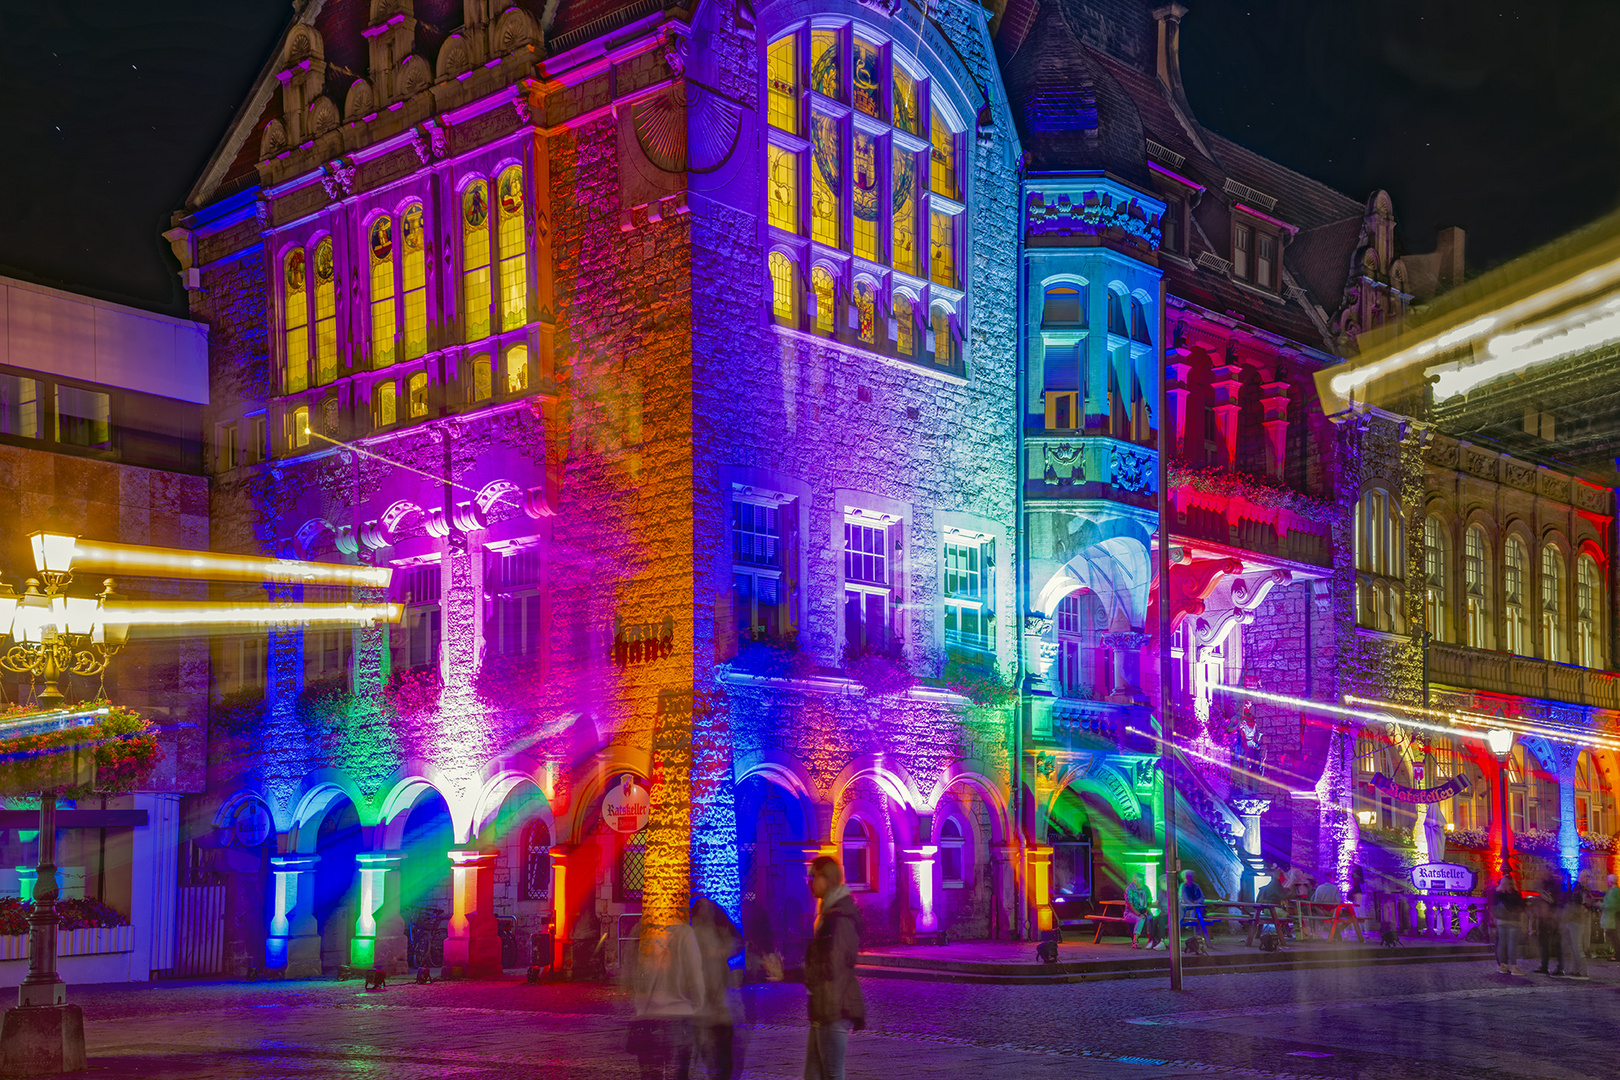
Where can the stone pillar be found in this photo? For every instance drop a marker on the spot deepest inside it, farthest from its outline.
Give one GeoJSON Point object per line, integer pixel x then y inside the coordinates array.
{"type": "Point", "coordinates": [473, 949]}
{"type": "Point", "coordinates": [561, 856]}
{"type": "Point", "coordinates": [1176, 393]}
{"type": "Point", "coordinates": [1038, 887]}
{"type": "Point", "coordinates": [294, 944]}
{"type": "Point", "coordinates": [1003, 890]}
{"type": "Point", "coordinates": [379, 931]}
{"type": "Point", "coordinates": [1127, 654]}
{"type": "Point", "coordinates": [919, 919]}
{"type": "Point", "coordinates": [1274, 399]}
{"type": "Point", "coordinates": [1569, 837]}
{"type": "Point", "coordinates": [1250, 810]}
{"type": "Point", "coordinates": [1226, 380]}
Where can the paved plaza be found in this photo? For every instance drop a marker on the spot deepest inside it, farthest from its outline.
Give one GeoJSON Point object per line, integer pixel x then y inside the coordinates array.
{"type": "Point", "coordinates": [1401, 1023]}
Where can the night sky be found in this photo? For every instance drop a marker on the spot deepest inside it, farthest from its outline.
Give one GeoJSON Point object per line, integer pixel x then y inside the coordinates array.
{"type": "Point", "coordinates": [1471, 113]}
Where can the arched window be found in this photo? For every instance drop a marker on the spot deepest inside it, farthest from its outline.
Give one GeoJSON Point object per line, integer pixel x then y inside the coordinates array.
{"type": "Point", "coordinates": [413, 278]}
{"type": "Point", "coordinates": [784, 289]}
{"type": "Point", "coordinates": [295, 319]}
{"type": "Point", "coordinates": [1064, 306]}
{"type": "Point", "coordinates": [866, 311]}
{"type": "Point", "coordinates": [942, 337]}
{"type": "Point", "coordinates": [857, 855]}
{"type": "Point", "coordinates": [299, 433]}
{"type": "Point", "coordinates": [536, 854]}
{"type": "Point", "coordinates": [1140, 331]}
{"type": "Point", "coordinates": [905, 325]}
{"type": "Point", "coordinates": [325, 314]}
{"type": "Point", "coordinates": [418, 391]}
{"type": "Point", "coordinates": [514, 250]}
{"type": "Point", "coordinates": [384, 404]}
{"type": "Point", "coordinates": [1517, 626]}
{"type": "Point", "coordinates": [1435, 564]}
{"type": "Point", "coordinates": [380, 242]}
{"type": "Point", "coordinates": [1116, 316]}
{"type": "Point", "coordinates": [821, 282]}
{"type": "Point", "coordinates": [517, 369]}
{"type": "Point", "coordinates": [1476, 559]}
{"type": "Point", "coordinates": [475, 298]}
{"type": "Point", "coordinates": [784, 190]}
{"type": "Point", "coordinates": [1552, 603]}
{"type": "Point", "coordinates": [952, 854]}
{"type": "Point", "coordinates": [1082, 665]}
{"type": "Point", "coordinates": [482, 385]}
{"type": "Point", "coordinates": [1588, 612]}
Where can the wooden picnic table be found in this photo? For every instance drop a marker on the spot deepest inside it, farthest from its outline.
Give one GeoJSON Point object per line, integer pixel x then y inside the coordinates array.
{"type": "Point", "coordinates": [1253, 913]}
{"type": "Point", "coordinates": [1336, 912]}
{"type": "Point", "coordinates": [1108, 911]}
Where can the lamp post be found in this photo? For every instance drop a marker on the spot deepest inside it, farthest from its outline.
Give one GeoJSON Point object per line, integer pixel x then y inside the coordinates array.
{"type": "Point", "coordinates": [1500, 740]}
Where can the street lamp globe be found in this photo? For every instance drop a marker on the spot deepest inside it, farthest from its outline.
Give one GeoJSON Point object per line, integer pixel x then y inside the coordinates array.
{"type": "Point", "coordinates": [1500, 741]}
{"type": "Point", "coordinates": [53, 552]}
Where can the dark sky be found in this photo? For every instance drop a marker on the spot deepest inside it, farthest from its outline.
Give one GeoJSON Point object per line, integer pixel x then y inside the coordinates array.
{"type": "Point", "coordinates": [1501, 118]}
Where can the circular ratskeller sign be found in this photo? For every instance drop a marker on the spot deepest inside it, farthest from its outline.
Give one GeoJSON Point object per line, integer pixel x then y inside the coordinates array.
{"type": "Point", "coordinates": [626, 807]}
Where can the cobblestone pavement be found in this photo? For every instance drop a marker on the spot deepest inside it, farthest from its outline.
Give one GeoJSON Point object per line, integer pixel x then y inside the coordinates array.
{"type": "Point", "coordinates": [1419, 1022]}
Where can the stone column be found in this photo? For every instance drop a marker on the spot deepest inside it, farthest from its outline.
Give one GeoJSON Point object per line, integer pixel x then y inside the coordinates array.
{"type": "Point", "coordinates": [379, 932]}
{"type": "Point", "coordinates": [920, 917]}
{"type": "Point", "coordinates": [561, 856]}
{"type": "Point", "coordinates": [1227, 382]}
{"type": "Point", "coordinates": [1274, 399]}
{"type": "Point", "coordinates": [1176, 393]}
{"type": "Point", "coordinates": [1569, 837]}
{"type": "Point", "coordinates": [1250, 810]}
{"type": "Point", "coordinates": [294, 944]}
{"type": "Point", "coordinates": [1127, 654]}
{"type": "Point", "coordinates": [1038, 887]}
{"type": "Point", "coordinates": [473, 949]}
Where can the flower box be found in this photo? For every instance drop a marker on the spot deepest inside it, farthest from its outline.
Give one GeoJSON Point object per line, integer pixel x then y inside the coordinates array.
{"type": "Point", "coordinates": [84, 941]}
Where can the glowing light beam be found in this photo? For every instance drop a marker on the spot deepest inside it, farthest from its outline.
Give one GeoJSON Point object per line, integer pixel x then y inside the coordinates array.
{"type": "Point", "coordinates": [181, 613]}
{"type": "Point", "coordinates": [101, 556]}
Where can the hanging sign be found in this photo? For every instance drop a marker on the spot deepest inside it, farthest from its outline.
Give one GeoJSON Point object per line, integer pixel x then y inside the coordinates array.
{"type": "Point", "coordinates": [626, 808]}
{"type": "Point", "coordinates": [1443, 877]}
{"type": "Point", "coordinates": [1457, 785]}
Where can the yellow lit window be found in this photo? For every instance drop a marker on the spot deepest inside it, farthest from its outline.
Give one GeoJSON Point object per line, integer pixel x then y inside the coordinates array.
{"type": "Point", "coordinates": [514, 251]}
{"type": "Point", "coordinates": [868, 81]}
{"type": "Point", "coordinates": [783, 81]}
{"type": "Point", "coordinates": [868, 195]}
{"type": "Point", "coordinates": [784, 189]}
{"type": "Point", "coordinates": [821, 281]}
{"type": "Point", "coordinates": [482, 385]}
{"type": "Point", "coordinates": [826, 180]}
{"type": "Point", "coordinates": [942, 249]}
{"type": "Point", "coordinates": [295, 303]}
{"type": "Point", "coordinates": [418, 394]}
{"type": "Point", "coordinates": [866, 310]}
{"type": "Point", "coordinates": [384, 404]}
{"type": "Point", "coordinates": [299, 435]}
{"type": "Point", "coordinates": [905, 325]}
{"type": "Point", "coordinates": [413, 274]}
{"type": "Point", "coordinates": [944, 343]}
{"type": "Point", "coordinates": [381, 243]}
{"type": "Point", "coordinates": [517, 369]}
{"type": "Point", "coordinates": [904, 202]}
{"type": "Point", "coordinates": [905, 102]}
{"type": "Point", "coordinates": [782, 287]}
{"type": "Point", "coordinates": [325, 314]}
{"type": "Point", "coordinates": [826, 67]}
{"type": "Point", "coordinates": [942, 171]}
{"type": "Point", "coordinates": [475, 260]}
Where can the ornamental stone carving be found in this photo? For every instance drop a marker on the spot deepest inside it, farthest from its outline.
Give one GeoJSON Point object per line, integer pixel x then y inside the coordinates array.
{"type": "Point", "coordinates": [1592, 498]}
{"type": "Point", "coordinates": [1518, 474]}
{"type": "Point", "coordinates": [1129, 469]}
{"type": "Point", "coordinates": [360, 102]}
{"type": "Point", "coordinates": [1097, 212]}
{"type": "Point", "coordinates": [323, 116]}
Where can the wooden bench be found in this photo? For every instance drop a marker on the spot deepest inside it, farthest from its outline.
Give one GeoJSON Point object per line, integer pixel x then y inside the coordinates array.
{"type": "Point", "coordinates": [1109, 911]}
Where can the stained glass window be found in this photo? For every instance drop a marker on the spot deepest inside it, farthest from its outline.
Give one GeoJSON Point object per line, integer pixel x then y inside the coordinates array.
{"type": "Point", "coordinates": [868, 189]}
{"type": "Point", "coordinates": [782, 287]}
{"type": "Point", "coordinates": [822, 282]}
{"type": "Point", "coordinates": [783, 82]}
{"type": "Point", "coordinates": [826, 180]}
{"type": "Point", "coordinates": [381, 243]}
{"type": "Point", "coordinates": [943, 155]}
{"type": "Point", "coordinates": [904, 101]}
{"type": "Point", "coordinates": [784, 192]}
{"type": "Point", "coordinates": [942, 249]}
{"type": "Point", "coordinates": [418, 394]}
{"type": "Point", "coordinates": [296, 305]}
{"type": "Point", "coordinates": [944, 343]}
{"type": "Point", "coordinates": [517, 369]}
{"type": "Point", "coordinates": [475, 259]}
{"type": "Point", "coordinates": [866, 310]}
{"type": "Point", "coordinates": [904, 236]}
{"type": "Point", "coordinates": [826, 72]}
{"type": "Point", "coordinates": [482, 384]}
{"type": "Point", "coordinates": [413, 273]}
{"type": "Point", "coordinates": [905, 328]}
{"type": "Point", "coordinates": [868, 80]}
{"type": "Point", "coordinates": [299, 435]}
{"type": "Point", "coordinates": [325, 313]}
{"type": "Point", "coordinates": [384, 407]}
{"type": "Point", "coordinates": [514, 251]}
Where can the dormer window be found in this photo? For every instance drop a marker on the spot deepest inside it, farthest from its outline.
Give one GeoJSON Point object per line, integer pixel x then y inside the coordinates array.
{"type": "Point", "coordinates": [1170, 230]}
{"type": "Point", "coordinates": [1242, 241]}
{"type": "Point", "coordinates": [1254, 255]}
{"type": "Point", "coordinates": [1265, 261]}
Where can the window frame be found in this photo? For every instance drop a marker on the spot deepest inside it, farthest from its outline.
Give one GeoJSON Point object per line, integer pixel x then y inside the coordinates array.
{"type": "Point", "coordinates": [863, 847]}
{"type": "Point", "coordinates": [516, 602]}
{"type": "Point", "coordinates": [981, 549]}
{"type": "Point", "coordinates": [958, 844]}
{"type": "Point", "coordinates": [863, 592]}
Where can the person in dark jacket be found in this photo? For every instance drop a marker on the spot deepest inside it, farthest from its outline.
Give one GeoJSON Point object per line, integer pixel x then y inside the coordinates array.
{"type": "Point", "coordinates": [836, 1005]}
{"type": "Point", "coordinates": [718, 941]}
{"type": "Point", "coordinates": [1508, 908]}
{"type": "Point", "coordinates": [1543, 908]}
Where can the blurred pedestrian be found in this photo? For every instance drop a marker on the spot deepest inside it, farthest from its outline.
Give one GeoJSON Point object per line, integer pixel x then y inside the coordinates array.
{"type": "Point", "coordinates": [1138, 907]}
{"type": "Point", "coordinates": [836, 1004]}
{"type": "Point", "coordinates": [1609, 918]}
{"type": "Point", "coordinates": [1325, 902]}
{"type": "Point", "coordinates": [1543, 910]}
{"type": "Point", "coordinates": [1192, 904]}
{"type": "Point", "coordinates": [1571, 914]}
{"type": "Point", "coordinates": [1159, 923]}
{"type": "Point", "coordinates": [669, 992]}
{"type": "Point", "coordinates": [718, 941]}
{"type": "Point", "coordinates": [1507, 909]}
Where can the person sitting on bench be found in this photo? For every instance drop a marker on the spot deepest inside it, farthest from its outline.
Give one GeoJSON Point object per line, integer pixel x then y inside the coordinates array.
{"type": "Point", "coordinates": [1271, 893]}
{"type": "Point", "coordinates": [1138, 903]}
{"type": "Point", "coordinates": [1192, 904]}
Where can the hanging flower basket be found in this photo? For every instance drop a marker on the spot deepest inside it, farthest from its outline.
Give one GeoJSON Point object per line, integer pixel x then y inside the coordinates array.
{"type": "Point", "coordinates": [75, 752]}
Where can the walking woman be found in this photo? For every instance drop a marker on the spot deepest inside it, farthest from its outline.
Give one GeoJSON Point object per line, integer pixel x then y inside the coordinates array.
{"type": "Point", "coordinates": [1507, 908]}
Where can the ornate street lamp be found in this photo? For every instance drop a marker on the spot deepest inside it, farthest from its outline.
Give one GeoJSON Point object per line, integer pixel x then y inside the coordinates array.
{"type": "Point", "coordinates": [53, 633]}
{"type": "Point", "coordinates": [1500, 740]}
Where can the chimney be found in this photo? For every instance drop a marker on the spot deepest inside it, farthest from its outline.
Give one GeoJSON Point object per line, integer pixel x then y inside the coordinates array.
{"type": "Point", "coordinates": [1169, 19]}
{"type": "Point", "coordinates": [1449, 246]}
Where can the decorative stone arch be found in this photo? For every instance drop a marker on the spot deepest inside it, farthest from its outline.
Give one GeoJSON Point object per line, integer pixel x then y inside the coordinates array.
{"type": "Point", "coordinates": [781, 769]}
{"type": "Point", "coordinates": [493, 494]}
{"type": "Point", "coordinates": [891, 777]}
{"type": "Point", "coordinates": [513, 29]}
{"type": "Point", "coordinates": [613, 761]}
{"type": "Point", "coordinates": [453, 58]}
{"type": "Point", "coordinates": [360, 102]}
{"type": "Point", "coordinates": [304, 42]}
{"type": "Point", "coordinates": [323, 116]}
{"type": "Point", "coordinates": [317, 796]}
{"type": "Point", "coordinates": [400, 516]}
{"type": "Point", "coordinates": [411, 782]}
{"type": "Point", "coordinates": [501, 779]}
{"type": "Point", "coordinates": [975, 775]}
{"type": "Point", "coordinates": [416, 75]}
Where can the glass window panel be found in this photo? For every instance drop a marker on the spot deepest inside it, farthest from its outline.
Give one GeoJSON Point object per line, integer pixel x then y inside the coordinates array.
{"type": "Point", "coordinates": [296, 317]}
{"type": "Point", "coordinates": [381, 244]}
{"type": "Point", "coordinates": [826, 70]}
{"type": "Point", "coordinates": [418, 394]}
{"type": "Point", "coordinates": [19, 406]}
{"type": "Point", "coordinates": [83, 417]}
{"type": "Point", "coordinates": [325, 313]}
{"type": "Point", "coordinates": [868, 189]}
{"type": "Point", "coordinates": [866, 310]}
{"type": "Point", "coordinates": [782, 286]}
{"type": "Point", "coordinates": [783, 83]}
{"type": "Point", "coordinates": [384, 410]}
{"type": "Point", "coordinates": [942, 171]}
{"type": "Point", "coordinates": [944, 344]}
{"type": "Point", "coordinates": [784, 208]}
{"type": "Point", "coordinates": [475, 296]}
{"type": "Point", "coordinates": [868, 80]}
{"type": "Point", "coordinates": [482, 385]}
{"type": "Point", "coordinates": [413, 272]}
{"type": "Point", "coordinates": [942, 249]}
{"type": "Point", "coordinates": [1241, 239]}
{"type": "Point", "coordinates": [1063, 306]}
{"type": "Point", "coordinates": [299, 436]}
{"type": "Point", "coordinates": [514, 251]}
{"type": "Point", "coordinates": [905, 101]}
{"type": "Point", "coordinates": [904, 211]}
{"type": "Point", "coordinates": [822, 282]}
{"type": "Point", "coordinates": [517, 369]}
{"type": "Point", "coordinates": [826, 180]}
{"type": "Point", "coordinates": [905, 320]}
